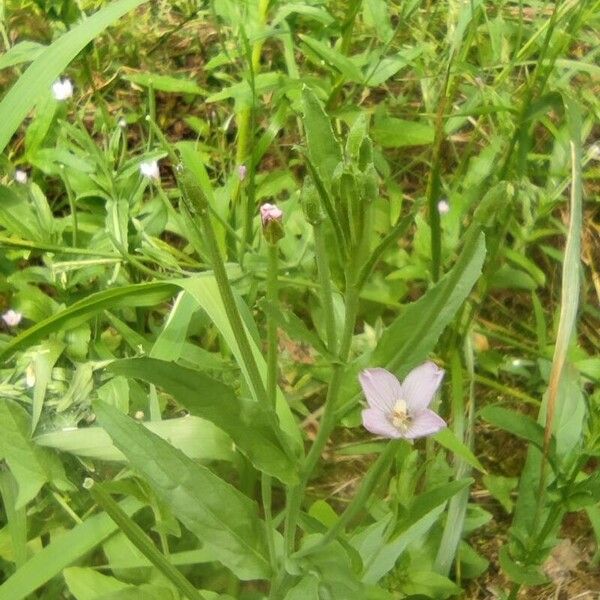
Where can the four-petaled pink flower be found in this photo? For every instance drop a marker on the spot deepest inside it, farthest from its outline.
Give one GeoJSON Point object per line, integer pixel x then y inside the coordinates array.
{"type": "Point", "coordinates": [269, 212]}
{"type": "Point", "coordinates": [400, 410]}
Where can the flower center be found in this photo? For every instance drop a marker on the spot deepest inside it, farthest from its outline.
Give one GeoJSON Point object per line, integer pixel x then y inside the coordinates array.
{"type": "Point", "coordinates": [399, 417]}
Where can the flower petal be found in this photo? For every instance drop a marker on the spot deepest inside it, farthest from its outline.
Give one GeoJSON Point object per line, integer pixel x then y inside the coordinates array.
{"type": "Point", "coordinates": [377, 422]}
{"type": "Point", "coordinates": [424, 423]}
{"type": "Point", "coordinates": [420, 386]}
{"type": "Point", "coordinates": [381, 388]}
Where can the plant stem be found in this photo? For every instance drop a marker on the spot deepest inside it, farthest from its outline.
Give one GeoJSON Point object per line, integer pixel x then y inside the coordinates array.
{"type": "Point", "coordinates": [272, 299]}
{"type": "Point", "coordinates": [325, 287]}
{"type": "Point", "coordinates": [328, 419]}
{"type": "Point", "coordinates": [266, 497]}
{"type": "Point", "coordinates": [142, 542]}
{"type": "Point", "coordinates": [197, 204]}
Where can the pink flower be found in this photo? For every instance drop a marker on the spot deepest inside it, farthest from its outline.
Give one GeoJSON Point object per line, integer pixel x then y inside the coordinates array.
{"type": "Point", "coordinates": [400, 410]}
{"type": "Point", "coordinates": [269, 212]}
{"type": "Point", "coordinates": [242, 171]}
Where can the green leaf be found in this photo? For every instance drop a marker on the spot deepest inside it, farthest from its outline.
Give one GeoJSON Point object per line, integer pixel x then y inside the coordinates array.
{"type": "Point", "coordinates": [166, 83]}
{"type": "Point", "coordinates": [223, 518]}
{"type": "Point", "coordinates": [430, 584]}
{"type": "Point", "coordinates": [195, 437]}
{"type": "Point", "coordinates": [244, 421]}
{"type": "Point", "coordinates": [171, 340]}
{"type": "Point", "coordinates": [520, 572]}
{"type": "Point", "coordinates": [24, 51]}
{"type": "Point", "coordinates": [412, 335]}
{"type": "Point", "coordinates": [87, 584]}
{"type": "Point", "coordinates": [143, 294]}
{"type": "Point", "coordinates": [48, 67]}
{"type": "Point", "coordinates": [501, 488]}
{"type": "Point", "coordinates": [515, 423]}
{"type": "Point", "coordinates": [323, 148]}
{"type": "Point", "coordinates": [447, 438]}
{"type": "Point", "coordinates": [391, 132]}
{"type": "Point", "coordinates": [32, 466]}
{"type": "Point", "coordinates": [425, 509]}
{"type": "Point", "coordinates": [333, 58]}
{"type": "Point", "coordinates": [61, 552]}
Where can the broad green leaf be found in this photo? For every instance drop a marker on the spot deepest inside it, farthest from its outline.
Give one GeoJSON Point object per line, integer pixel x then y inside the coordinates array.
{"type": "Point", "coordinates": [150, 592]}
{"type": "Point", "coordinates": [166, 83]}
{"type": "Point", "coordinates": [391, 132]}
{"type": "Point", "coordinates": [48, 67]}
{"type": "Point", "coordinates": [86, 583]}
{"type": "Point", "coordinates": [243, 420]}
{"type": "Point", "coordinates": [196, 438]}
{"type": "Point", "coordinates": [223, 518]}
{"type": "Point", "coordinates": [323, 148]}
{"type": "Point", "coordinates": [61, 552]}
{"type": "Point", "coordinates": [32, 466]}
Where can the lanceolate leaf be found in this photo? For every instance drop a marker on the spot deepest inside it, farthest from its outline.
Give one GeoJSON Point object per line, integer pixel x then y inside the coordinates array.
{"type": "Point", "coordinates": [223, 518]}
{"type": "Point", "coordinates": [244, 421]}
{"type": "Point", "coordinates": [410, 338]}
{"type": "Point", "coordinates": [323, 149]}
{"type": "Point", "coordinates": [47, 67]}
{"type": "Point", "coordinates": [143, 294]}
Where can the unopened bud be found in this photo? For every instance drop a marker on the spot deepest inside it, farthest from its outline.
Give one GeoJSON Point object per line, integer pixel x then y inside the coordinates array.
{"type": "Point", "coordinates": [272, 222]}
{"type": "Point", "coordinates": [311, 203]}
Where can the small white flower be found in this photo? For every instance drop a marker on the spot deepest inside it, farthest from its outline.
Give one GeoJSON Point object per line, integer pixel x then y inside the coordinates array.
{"type": "Point", "coordinates": [21, 176]}
{"type": "Point", "coordinates": [242, 171]}
{"type": "Point", "coordinates": [12, 318]}
{"type": "Point", "coordinates": [443, 207]}
{"type": "Point", "coordinates": [139, 415]}
{"type": "Point", "coordinates": [150, 169]}
{"type": "Point", "coordinates": [122, 123]}
{"type": "Point", "coordinates": [30, 375]}
{"type": "Point", "coordinates": [62, 89]}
